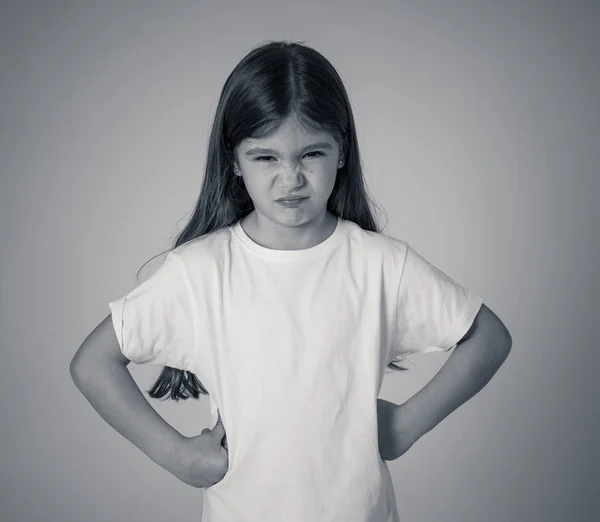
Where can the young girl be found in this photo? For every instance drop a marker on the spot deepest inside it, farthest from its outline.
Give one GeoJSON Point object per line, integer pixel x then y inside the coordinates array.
{"type": "Point", "coordinates": [285, 305]}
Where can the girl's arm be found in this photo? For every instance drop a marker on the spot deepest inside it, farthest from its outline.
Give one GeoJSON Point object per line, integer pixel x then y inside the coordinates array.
{"type": "Point", "coordinates": [99, 370]}
{"type": "Point", "coordinates": [469, 368]}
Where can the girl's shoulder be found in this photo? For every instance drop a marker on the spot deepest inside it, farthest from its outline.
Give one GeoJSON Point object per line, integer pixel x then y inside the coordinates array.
{"type": "Point", "coordinates": [203, 248]}
{"type": "Point", "coordinates": [379, 245]}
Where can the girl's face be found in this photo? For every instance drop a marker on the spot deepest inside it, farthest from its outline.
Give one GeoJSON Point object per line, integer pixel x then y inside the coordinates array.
{"type": "Point", "coordinates": [291, 162]}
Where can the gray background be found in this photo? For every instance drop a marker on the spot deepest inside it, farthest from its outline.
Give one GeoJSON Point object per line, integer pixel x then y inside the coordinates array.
{"type": "Point", "coordinates": [479, 126]}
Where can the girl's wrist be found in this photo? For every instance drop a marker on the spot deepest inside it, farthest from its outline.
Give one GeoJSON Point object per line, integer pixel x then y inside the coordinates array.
{"type": "Point", "coordinates": [168, 453]}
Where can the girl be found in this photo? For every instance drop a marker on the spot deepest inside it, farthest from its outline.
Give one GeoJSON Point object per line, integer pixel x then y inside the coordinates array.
{"type": "Point", "coordinates": [283, 302]}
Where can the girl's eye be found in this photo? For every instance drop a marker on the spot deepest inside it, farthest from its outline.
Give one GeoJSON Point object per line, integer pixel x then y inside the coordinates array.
{"type": "Point", "coordinates": [316, 152]}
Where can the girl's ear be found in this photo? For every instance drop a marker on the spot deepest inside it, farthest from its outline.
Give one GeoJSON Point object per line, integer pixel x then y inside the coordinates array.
{"type": "Point", "coordinates": [234, 163]}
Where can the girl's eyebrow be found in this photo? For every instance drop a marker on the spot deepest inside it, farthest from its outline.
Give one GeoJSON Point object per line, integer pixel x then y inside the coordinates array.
{"type": "Point", "coordinates": [258, 150]}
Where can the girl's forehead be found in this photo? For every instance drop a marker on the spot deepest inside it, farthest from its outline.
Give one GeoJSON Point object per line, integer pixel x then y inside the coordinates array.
{"type": "Point", "coordinates": [291, 132]}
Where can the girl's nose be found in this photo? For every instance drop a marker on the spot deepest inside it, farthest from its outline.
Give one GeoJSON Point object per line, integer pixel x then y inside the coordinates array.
{"type": "Point", "coordinates": [291, 179]}
{"type": "Point", "coordinates": [290, 166]}
{"type": "Point", "coordinates": [290, 172]}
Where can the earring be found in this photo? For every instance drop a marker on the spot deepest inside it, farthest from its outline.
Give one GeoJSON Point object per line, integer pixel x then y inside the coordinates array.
{"type": "Point", "coordinates": [341, 162]}
{"type": "Point", "coordinates": [236, 170]}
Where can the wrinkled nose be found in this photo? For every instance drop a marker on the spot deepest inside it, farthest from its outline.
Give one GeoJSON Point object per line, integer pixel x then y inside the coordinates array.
{"type": "Point", "coordinates": [290, 166]}
{"type": "Point", "coordinates": [291, 178]}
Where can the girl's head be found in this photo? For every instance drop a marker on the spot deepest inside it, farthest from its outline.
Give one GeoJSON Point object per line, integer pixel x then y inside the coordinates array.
{"type": "Point", "coordinates": [282, 96]}
{"type": "Point", "coordinates": [293, 161]}
{"type": "Point", "coordinates": [286, 97]}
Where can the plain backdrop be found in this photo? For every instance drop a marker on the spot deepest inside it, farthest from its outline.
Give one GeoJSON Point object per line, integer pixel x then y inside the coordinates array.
{"type": "Point", "coordinates": [479, 127]}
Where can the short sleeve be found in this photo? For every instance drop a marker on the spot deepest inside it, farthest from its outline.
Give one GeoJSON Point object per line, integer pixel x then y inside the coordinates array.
{"type": "Point", "coordinates": [434, 312]}
{"type": "Point", "coordinates": [154, 323]}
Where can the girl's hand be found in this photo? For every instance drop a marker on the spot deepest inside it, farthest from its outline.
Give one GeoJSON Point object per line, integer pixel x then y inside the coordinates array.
{"type": "Point", "coordinates": [395, 436]}
{"type": "Point", "coordinates": [203, 460]}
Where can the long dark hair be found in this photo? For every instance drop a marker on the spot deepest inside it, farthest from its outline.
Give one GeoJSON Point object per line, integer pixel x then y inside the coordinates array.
{"type": "Point", "coordinates": [271, 82]}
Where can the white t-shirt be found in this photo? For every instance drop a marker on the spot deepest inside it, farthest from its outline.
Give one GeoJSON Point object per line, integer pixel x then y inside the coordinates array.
{"type": "Point", "coordinates": [292, 346]}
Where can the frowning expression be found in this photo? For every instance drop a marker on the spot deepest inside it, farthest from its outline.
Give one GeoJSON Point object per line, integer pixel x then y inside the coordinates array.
{"type": "Point", "coordinates": [293, 161]}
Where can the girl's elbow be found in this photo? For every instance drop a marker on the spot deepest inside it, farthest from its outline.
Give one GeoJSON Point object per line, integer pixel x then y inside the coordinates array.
{"type": "Point", "coordinates": [508, 344]}
{"type": "Point", "coordinates": [78, 368]}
